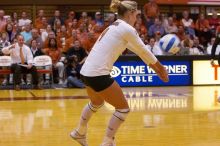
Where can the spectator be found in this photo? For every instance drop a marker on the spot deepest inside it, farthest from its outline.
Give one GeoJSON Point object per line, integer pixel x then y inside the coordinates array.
{"type": "Point", "coordinates": [98, 19]}
{"type": "Point", "coordinates": [22, 60]}
{"type": "Point", "coordinates": [171, 26]}
{"type": "Point", "coordinates": [10, 32]}
{"type": "Point", "coordinates": [209, 48]}
{"type": "Point", "coordinates": [153, 47]}
{"type": "Point", "coordinates": [151, 11]}
{"type": "Point", "coordinates": [36, 51]}
{"type": "Point", "coordinates": [45, 33]}
{"type": "Point", "coordinates": [157, 27]}
{"type": "Point", "coordinates": [72, 73]}
{"type": "Point", "coordinates": [203, 29]}
{"type": "Point", "coordinates": [214, 22]}
{"type": "Point", "coordinates": [181, 33]}
{"type": "Point", "coordinates": [27, 32]}
{"type": "Point", "coordinates": [51, 35]}
{"type": "Point", "coordinates": [70, 41]}
{"type": "Point", "coordinates": [41, 27]}
{"type": "Point", "coordinates": [4, 43]}
{"type": "Point", "coordinates": [62, 36]}
{"type": "Point", "coordinates": [14, 18]}
{"type": "Point", "coordinates": [185, 45]}
{"type": "Point", "coordinates": [55, 19]}
{"type": "Point", "coordinates": [188, 23]}
{"type": "Point", "coordinates": [36, 36]}
{"type": "Point", "coordinates": [2, 21]}
{"type": "Point", "coordinates": [89, 41]}
{"type": "Point", "coordinates": [71, 17]}
{"type": "Point", "coordinates": [55, 53]}
{"type": "Point", "coordinates": [197, 48]}
{"type": "Point", "coordinates": [23, 21]}
{"type": "Point", "coordinates": [38, 21]}
{"type": "Point", "coordinates": [77, 51]}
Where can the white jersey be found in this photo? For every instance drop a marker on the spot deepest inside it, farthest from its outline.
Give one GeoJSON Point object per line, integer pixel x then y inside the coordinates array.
{"type": "Point", "coordinates": [110, 45]}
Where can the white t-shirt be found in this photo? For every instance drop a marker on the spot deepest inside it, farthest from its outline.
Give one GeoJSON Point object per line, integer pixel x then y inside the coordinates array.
{"type": "Point", "coordinates": [110, 45]}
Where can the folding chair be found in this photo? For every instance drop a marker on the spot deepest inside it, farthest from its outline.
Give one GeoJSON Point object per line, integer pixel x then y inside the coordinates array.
{"type": "Point", "coordinates": [5, 64]}
{"type": "Point", "coordinates": [44, 61]}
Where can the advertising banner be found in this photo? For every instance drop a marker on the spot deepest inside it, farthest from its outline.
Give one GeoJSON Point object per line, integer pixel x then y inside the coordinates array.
{"type": "Point", "coordinates": [137, 73]}
{"type": "Point", "coordinates": [205, 74]}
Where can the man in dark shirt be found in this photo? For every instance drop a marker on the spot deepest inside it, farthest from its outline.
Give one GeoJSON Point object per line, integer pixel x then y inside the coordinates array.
{"type": "Point", "coordinates": [77, 51]}
{"type": "Point", "coordinates": [216, 43]}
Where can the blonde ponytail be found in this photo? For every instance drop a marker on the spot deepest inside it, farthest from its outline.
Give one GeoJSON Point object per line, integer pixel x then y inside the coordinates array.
{"type": "Point", "coordinates": [114, 5]}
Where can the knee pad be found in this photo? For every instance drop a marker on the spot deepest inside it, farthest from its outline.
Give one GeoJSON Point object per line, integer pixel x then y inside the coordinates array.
{"type": "Point", "coordinates": [94, 108]}
{"type": "Point", "coordinates": [121, 114]}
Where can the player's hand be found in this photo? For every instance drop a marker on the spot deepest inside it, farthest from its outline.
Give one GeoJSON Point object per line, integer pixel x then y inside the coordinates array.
{"type": "Point", "coordinates": [212, 62]}
{"type": "Point", "coordinates": [161, 71]}
{"type": "Point", "coordinates": [163, 75]}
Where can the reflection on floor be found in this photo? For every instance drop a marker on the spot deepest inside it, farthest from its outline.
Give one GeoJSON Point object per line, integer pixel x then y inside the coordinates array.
{"type": "Point", "coordinates": [161, 116]}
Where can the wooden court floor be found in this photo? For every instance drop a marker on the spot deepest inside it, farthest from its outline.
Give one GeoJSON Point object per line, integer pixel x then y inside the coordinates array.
{"type": "Point", "coordinates": [160, 116]}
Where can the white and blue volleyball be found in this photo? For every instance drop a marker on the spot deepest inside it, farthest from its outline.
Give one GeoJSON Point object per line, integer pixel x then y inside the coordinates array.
{"type": "Point", "coordinates": [169, 43]}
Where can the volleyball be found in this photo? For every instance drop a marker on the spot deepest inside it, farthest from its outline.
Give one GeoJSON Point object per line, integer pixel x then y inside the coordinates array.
{"type": "Point", "coordinates": [169, 43]}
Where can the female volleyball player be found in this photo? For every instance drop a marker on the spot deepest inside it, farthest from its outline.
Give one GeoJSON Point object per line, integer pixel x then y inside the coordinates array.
{"type": "Point", "coordinates": [96, 69]}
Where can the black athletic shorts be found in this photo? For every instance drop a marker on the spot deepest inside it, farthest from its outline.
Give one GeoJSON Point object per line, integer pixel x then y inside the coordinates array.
{"type": "Point", "coordinates": [98, 83]}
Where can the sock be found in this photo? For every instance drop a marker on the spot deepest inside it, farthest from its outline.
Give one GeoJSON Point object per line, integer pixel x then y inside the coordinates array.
{"type": "Point", "coordinates": [115, 122]}
{"type": "Point", "coordinates": [87, 113]}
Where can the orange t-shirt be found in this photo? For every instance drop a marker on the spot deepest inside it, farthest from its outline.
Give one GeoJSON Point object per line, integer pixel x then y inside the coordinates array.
{"type": "Point", "coordinates": [151, 9]}
{"type": "Point", "coordinates": [55, 54]}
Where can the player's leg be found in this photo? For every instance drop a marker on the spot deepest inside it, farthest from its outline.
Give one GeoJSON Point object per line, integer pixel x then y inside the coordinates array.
{"type": "Point", "coordinates": [79, 134]}
{"type": "Point", "coordinates": [114, 96]}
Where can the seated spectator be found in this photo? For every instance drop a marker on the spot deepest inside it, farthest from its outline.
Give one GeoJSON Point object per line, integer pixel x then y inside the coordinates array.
{"type": "Point", "coordinates": [35, 48]}
{"type": "Point", "coordinates": [209, 48]}
{"type": "Point", "coordinates": [51, 35]}
{"type": "Point", "coordinates": [151, 11]}
{"type": "Point", "coordinates": [11, 33]}
{"type": "Point", "coordinates": [203, 30]}
{"type": "Point", "coordinates": [71, 17]}
{"type": "Point", "coordinates": [22, 62]}
{"type": "Point", "coordinates": [35, 36]}
{"type": "Point", "coordinates": [214, 22]}
{"type": "Point", "coordinates": [55, 53]}
{"type": "Point", "coordinates": [4, 40]}
{"type": "Point", "coordinates": [171, 26]}
{"type": "Point", "coordinates": [155, 28]}
{"type": "Point", "coordinates": [56, 18]}
{"type": "Point", "coordinates": [38, 21]}
{"type": "Point", "coordinates": [77, 51]}
{"type": "Point", "coordinates": [72, 73]}
{"type": "Point", "coordinates": [154, 48]}
{"type": "Point", "coordinates": [14, 18]}
{"type": "Point", "coordinates": [2, 21]}
{"type": "Point", "coordinates": [27, 32]}
{"type": "Point", "coordinates": [188, 23]}
{"type": "Point", "coordinates": [164, 19]}
{"type": "Point", "coordinates": [4, 43]}
{"type": "Point", "coordinates": [62, 36]}
{"type": "Point", "coordinates": [45, 33]}
{"type": "Point", "coordinates": [175, 20]}
{"type": "Point", "coordinates": [185, 45]}
{"type": "Point", "coordinates": [197, 48]}
{"type": "Point", "coordinates": [70, 41]}
{"type": "Point", "coordinates": [41, 27]}
{"type": "Point", "coordinates": [181, 33]}
{"type": "Point", "coordinates": [23, 21]}
{"type": "Point", "coordinates": [98, 19]}
{"type": "Point", "coordinates": [89, 41]}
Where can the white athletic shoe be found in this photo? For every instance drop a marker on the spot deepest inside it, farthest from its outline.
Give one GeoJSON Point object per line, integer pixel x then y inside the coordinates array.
{"type": "Point", "coordinates": [108, 143]}
{"type": "Point", "coordinates": [81, 139]}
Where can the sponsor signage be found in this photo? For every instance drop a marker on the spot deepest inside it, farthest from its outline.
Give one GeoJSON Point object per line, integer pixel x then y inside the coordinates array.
{"type": "Point", "coordinates": [205, 74]}
{"type": "Point", "coordinates": [137, 73]}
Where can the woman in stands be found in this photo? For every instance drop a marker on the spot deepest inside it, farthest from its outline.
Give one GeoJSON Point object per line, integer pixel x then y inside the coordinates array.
{"type": "Point", "coordinates": [96, 71]}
